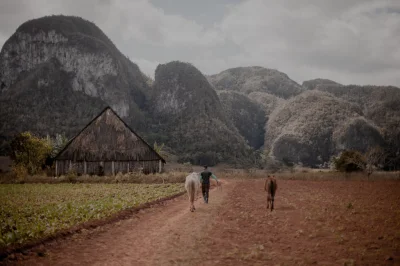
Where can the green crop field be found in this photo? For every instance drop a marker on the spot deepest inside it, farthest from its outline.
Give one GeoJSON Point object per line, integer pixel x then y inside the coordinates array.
{"type": "Point", "coordinates": [33, 211]}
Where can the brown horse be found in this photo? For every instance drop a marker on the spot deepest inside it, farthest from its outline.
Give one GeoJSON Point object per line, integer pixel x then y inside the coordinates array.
{"type": "Point", "coordinates": [270, 186]}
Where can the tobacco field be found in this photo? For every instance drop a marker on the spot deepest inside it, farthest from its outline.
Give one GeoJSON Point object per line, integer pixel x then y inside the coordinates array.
{"type": "Point", "coordinates": [33, 211]}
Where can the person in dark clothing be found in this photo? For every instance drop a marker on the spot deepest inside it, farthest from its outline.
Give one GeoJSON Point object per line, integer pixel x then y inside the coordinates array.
{"type": "Point", "coordinates": [205, 182]}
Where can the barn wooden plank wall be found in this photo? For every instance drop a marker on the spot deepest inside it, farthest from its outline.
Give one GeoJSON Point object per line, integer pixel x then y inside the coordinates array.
{"type": "Point", "coordinates": [107, 168]}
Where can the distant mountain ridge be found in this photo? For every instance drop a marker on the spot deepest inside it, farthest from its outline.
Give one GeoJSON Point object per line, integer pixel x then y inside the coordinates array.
{"type": "Point", "coordinates": [312, 84]}
{"type": "Point", "coordinates": [315, 125]}
{"type": "Point", "coordinates": [58, 72]}
{"type": "Point", "coordinates": [303, 126]}
{"type": "Point", "coordinates": [256, 79]}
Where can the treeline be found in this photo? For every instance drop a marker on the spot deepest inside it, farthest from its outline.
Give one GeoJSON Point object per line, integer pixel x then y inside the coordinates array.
{"type": "Point", "coordinates": [34, 155]}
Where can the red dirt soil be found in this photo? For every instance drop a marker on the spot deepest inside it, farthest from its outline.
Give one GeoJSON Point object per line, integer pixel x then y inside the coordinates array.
{"type": "Point", "coordinates": [314, 223]}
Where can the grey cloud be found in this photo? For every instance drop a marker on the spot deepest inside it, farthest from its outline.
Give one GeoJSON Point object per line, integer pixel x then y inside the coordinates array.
{"type": "Point", "coordinates": [344, 42]}
{"type": "Point", "coordinates": [205, 12]}
{"type": "Point", "coordinates": [351, 41]}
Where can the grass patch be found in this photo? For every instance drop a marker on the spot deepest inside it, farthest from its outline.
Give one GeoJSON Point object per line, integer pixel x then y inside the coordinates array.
{"type": "Point", "coordinates": [32, 211]}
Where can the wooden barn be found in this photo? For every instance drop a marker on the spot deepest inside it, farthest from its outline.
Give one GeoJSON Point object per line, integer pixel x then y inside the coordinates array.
{"type": "Point", "coordinates": [107, 146]}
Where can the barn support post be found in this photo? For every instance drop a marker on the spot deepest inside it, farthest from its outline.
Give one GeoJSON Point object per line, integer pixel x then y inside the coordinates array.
{"type": "Point", "coordinates": [84, 167]}
{"type": "Point", "coordinates": [159, 166]}
{"type": "Point", "coordinates": [70, 166]}
{"type": "Point", "coordinates": [128, 167]}
{"type": "Point", "coordinates": [101, 168]}
{"type": "Point", "coordinates": [56, 168]}
{"type": "Point", "coordinates": [112, 168]}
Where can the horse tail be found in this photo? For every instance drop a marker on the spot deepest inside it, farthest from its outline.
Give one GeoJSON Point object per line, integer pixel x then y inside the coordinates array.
{"type": "Point", "coordinates": [271, 187]}
{"type": "Point", "coordinates": [192, 185]}
{"type": "Point", "coordinates": [190, 188]}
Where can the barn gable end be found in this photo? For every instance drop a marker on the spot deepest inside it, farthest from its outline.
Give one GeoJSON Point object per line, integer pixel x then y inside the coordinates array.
{"type": "Point", "coordinates": [107, 142]}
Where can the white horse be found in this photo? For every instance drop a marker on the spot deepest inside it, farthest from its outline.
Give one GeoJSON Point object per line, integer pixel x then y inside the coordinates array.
{"type": "Point", "coordinates": [192, 186]}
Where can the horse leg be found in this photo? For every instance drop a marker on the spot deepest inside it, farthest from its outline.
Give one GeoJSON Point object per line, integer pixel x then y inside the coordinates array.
{"type": "Point", "coordinates": [272, 203]}
{"type": "Point", "coordinates": [191, 203]}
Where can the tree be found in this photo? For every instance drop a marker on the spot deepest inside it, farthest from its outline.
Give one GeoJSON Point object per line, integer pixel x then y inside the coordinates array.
{"type": "Point", "coordinates": [30, 151]}
{"type": "Point", "coordinates": [373, 157]}
{"type": "Point", "coordinates": [58, 143]}
{"type": "Point", "coordinates": [392, 148]}
{"type": "Point", "coordinates": [149, 81]}
{"type": "Point", "coordinates": [159, 150]}
{"type": "Point", "coordinates": [350, 161]}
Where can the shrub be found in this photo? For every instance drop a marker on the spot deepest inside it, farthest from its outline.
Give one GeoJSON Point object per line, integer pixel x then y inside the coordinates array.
{"type": "Point", "coordinates": [350, 161]}
{"type": "Point", "coordinates": [20, 172]}
{"type": "Point", "coordinates": [71, 176]}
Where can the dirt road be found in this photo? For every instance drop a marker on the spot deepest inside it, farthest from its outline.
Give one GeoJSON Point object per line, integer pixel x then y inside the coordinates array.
{"type": "Point", "coordinates": [314, 223]}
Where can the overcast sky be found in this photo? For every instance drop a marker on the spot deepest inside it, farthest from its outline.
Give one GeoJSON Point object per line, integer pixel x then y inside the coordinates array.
{"type": "Point", "coordinates": [349, 41]}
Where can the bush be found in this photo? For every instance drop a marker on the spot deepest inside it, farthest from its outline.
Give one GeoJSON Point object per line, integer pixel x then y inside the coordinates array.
{"type": "Point", "coordinates": [350, 161]}
{"type": "Point", "coordinates": [30, 152]}
{"type": "Point", "coordinates": [272, 165]}
{"type": "Point", "coordinates": [71, 177]}
{"type": "Point", "coordinates": [20, 172]}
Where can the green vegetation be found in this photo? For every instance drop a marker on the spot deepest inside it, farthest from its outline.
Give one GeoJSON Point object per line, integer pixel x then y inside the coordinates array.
{"type": "Point", "coordinates": [350, 161]}
{"type": "Point", "coordinates": [30, 151]}
{"type": "Point", "coordinates": [159, 149]}
{"type": "Point", "coordinates": [58, 143]}
{"type": "Point", "coordinates": [33, 211]}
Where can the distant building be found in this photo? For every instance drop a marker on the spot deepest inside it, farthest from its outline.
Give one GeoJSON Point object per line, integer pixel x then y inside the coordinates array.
{"type": "Point", "coordinates": [107, 146]}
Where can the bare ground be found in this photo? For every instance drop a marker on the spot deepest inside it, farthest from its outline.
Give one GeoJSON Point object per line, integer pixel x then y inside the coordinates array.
{"type": "Point", "coordinates": [314, 223]}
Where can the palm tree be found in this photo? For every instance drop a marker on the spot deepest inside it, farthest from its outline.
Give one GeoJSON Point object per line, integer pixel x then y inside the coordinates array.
{"type": "Point", "coordinates": [159, 150]}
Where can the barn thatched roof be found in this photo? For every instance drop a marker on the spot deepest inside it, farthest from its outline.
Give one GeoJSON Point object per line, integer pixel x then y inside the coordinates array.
{"type": "Point", "coordinates": [108, 138]}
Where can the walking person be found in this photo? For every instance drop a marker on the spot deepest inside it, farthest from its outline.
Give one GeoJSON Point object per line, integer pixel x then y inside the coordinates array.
{"type": "Point", "coordinates": [205, 182]}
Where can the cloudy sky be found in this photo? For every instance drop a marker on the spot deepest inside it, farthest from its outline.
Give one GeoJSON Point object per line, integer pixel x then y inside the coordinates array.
{"type": "Point", "coordinates": [349, 41]}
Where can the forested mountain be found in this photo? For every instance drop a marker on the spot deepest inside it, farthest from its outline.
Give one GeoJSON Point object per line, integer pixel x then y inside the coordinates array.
{"type": "Point", "coordinates": [256, 79]}
{"type": "Point", "coordinates": [189, 117]}
{"type": "Point", "coordinates": [58, 72]}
